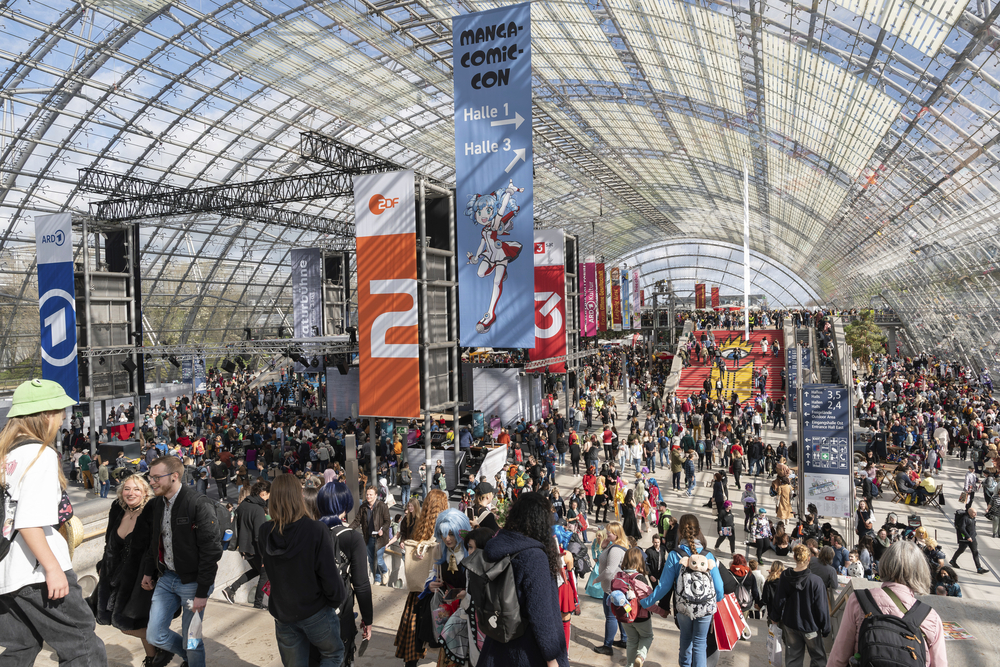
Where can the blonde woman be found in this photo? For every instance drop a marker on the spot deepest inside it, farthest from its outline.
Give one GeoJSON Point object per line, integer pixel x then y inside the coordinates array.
{"type": "Point", "coordinates": [38, 589]}
{"type": "Point", "coordinates": [771, 587]}
{"type": "Point", "coordinates": [121, 600]}
{"type": "Point", "coordinates": [614, 545]}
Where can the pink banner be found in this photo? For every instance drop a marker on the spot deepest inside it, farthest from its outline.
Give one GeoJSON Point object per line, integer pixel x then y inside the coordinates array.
{"type": "Point", "coordinates": [588, 298]}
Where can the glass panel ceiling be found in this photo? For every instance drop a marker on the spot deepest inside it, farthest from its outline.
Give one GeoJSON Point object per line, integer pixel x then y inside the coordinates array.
{"type": "Point", "coordinates": [868, 129]}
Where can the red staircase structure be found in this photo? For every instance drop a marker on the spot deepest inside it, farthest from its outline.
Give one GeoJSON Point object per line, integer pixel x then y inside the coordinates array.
{"type": "Point", "coordinates": [741, 358]}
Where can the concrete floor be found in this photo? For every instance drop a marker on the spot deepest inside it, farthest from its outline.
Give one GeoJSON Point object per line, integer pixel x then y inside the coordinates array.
{"type": "Point", "coordinates": [240, 636]}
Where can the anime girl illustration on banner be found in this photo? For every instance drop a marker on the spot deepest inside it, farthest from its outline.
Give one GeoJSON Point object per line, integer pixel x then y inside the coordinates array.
{"type": "Point", "coordinates": [495, 212]}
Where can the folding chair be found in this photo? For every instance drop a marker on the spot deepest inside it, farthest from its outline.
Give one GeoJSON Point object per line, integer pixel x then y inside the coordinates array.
{"type": "Point", "coordinates": [936, 499]}
{"type": "Point", "coordinates": [898, 496]}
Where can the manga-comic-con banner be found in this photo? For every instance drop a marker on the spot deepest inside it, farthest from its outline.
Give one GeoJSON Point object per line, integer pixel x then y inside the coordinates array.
{"type": "Point", "coordinates": [715, 296]}
{"type": "Point", "coordinates": [602, 299]}
{"type": "Point", "coordinates": [699, 295]}
{"type": "Point", "coordinates": [588, 298]}
{"type": "Point", "coordinates": [616, 299]}
{"type": "Point", "coordinates": [493, 173]}
{"type": "Point", "coordinates": [388, 354]}
{"type": "Point", "coordinates": [550, 298]}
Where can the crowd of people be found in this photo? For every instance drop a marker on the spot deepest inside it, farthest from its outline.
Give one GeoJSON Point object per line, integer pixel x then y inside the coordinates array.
{"type": "Point", "coordinates": [284, 502]}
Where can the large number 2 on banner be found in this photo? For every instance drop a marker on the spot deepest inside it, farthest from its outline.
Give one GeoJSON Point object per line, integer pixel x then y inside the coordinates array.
{"type": "Point", "coordinates": [380, 348]}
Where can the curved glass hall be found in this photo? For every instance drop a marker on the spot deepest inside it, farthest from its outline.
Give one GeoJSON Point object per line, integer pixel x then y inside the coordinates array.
{"type": "Point", "coordinates": [869, 131]}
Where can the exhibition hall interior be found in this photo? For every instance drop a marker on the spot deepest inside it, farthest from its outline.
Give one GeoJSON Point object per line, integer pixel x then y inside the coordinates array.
{"type": "Point", "coordinates": [489, 257]}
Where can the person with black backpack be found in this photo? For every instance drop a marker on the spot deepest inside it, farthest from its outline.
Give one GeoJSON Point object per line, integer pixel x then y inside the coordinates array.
{"type": "Point", "coordinates": [521, 617]}
{"type": "Point", "coordinates": [335, 500]}
{"type": "Point", "coordinates": [880, 624]}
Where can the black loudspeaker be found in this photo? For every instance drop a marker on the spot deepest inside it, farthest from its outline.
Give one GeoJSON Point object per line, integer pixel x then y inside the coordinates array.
{"type": "Point", "coordinates": [228, 366]}
{"type": "Point", "coordinates": [572, 380]}
{"type": "Point", "coordinates": [342, 367]}
{"type": "Point", "coordinates": [128, 365]}
{"type": "Point", "coordinates": [439, 222]}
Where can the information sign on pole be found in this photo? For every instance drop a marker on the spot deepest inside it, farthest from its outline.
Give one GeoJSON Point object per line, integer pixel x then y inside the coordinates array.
{"type": "Point", "coordinates": [826, 448]}
{"type": "Point", "coordinates": [493, 173]}
{"type": "Point", "coordinates": [793, 375]}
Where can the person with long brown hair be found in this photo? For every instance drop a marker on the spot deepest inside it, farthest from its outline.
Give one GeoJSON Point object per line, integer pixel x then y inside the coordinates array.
{"type": "Point", "coordinates": [694, 631]}
{"type": "Point", "coordinates": [305, 590]}
{"type": "Point", "coordinates": [420, 557]}
{"type": "Point", "coordinates": [39, 594]}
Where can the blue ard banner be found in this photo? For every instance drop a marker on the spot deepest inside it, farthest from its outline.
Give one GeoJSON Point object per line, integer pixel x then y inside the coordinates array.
{"type": "Point", "coordinates": [57, 301]}
{"type": "Point", "coordinates": [492, 64]}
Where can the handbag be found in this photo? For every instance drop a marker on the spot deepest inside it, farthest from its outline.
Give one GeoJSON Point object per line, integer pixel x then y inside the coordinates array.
{"type": "Point", "coordinates": [963, 497]}
{"type": "Point", "coordinates": [418, 562]}
{"type": "Point", "coordinates": [424, 612]}
{"type": "Point", "coordinates": [775, 650]}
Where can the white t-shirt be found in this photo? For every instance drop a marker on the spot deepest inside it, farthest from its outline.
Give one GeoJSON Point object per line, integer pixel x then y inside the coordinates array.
{"type": "Point", "coordinates": [35, 496]}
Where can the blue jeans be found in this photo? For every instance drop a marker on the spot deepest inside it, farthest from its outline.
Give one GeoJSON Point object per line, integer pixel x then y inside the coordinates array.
{"type": "Point", "coordinates": [664, 457]}
{"type": "Point", "coordinates": [105, 485]}
{"type": "Point", "coordinates": [322, 630]}
{"type": "Point", "coordinates": [612, 624]}
{"type": "Point", "coordinates": [404, 495]}
{"type": "Point", "coordinates": [169, 594]}
{"type": "Point", "coordinates": [637, 463]}
{"type": "Point", "coordinates": [694, 633]}
{"type": "Point", "coordinates": [562, 458]}
{"type": "Point", "coordinates": [375, 557]}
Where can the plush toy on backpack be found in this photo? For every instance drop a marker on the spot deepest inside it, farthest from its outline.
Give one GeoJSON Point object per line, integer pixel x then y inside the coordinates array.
{"type": "Point", "coordinates": [695, 591]}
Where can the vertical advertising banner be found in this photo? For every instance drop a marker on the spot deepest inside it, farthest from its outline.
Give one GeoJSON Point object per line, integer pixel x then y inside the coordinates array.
{"type": "Point", "coordinates": [200, 385]}
{"type": "Point", "coordinates": [602, 298]}
{"type": "Point", "coordinates": [588, 298]}
{"type": "Point", "coordinates": [493, 173]}
{"type": "Point", "coordinates": [636, 300]}
{"type": "Point", "coordinates": [626, 301]}
{"type": "Point", "coordinates": [715, 296]}
{"type": "Point", "coordinates": [616, 299]}
{"type": "Point", "coordinates": [307, 300]}
{"type": "Point", "coordinates": [699, 295]}
{"type": "Point", "coordinates": [550, 298]}
{"type": "Point", "coordinates": [642, 298]}
{"type": "Point", "coordinates": [389, 361]}
{"type": "Point", "coordinates": [57, 301]}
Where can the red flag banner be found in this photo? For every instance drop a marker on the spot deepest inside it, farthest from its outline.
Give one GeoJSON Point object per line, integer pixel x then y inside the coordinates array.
{"type": "Point", "coordinates": [699, 295]}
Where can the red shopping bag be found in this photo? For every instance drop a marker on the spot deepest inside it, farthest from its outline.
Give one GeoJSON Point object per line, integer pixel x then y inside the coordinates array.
{"type": "Point", "coordinates": [728, 623]}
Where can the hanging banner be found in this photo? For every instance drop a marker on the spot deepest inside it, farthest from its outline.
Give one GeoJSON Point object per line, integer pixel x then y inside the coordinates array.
{"type": "Point", "coordinates": [550, 299]}
{"type": "Point", "coordinates": [616, 299]}
{"type": "Point", "coordinates": [492, 70]}
{"type": "Point", "coordinates": [636, 300]}
{"type": "Point", "coordinates": [307, 301]}
{"type": "Point", "coordinates": [699, 295]}
{"type": "Point", "coordinates": [200, 385]}
{"type": "Point", "coordinates": [588, 298]}
{"type": "Point", "coordinates": [602, 298]}
{"type": "Point", "coordinates": [57, 301]}
{"type": "Point", "coordinates": [388, 359]}
{"type": "Point", "coordinates": [642, 298]}
{"type": "Point", "coordinates": [626, 301]}
{"type": "Point", "coordinates": [715, 296]}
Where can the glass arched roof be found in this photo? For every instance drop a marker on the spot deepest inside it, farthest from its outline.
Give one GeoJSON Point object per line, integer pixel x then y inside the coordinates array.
{"type": "Point", "coordinates": [869, 130]}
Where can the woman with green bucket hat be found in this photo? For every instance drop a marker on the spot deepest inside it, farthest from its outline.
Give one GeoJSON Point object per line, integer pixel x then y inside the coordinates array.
{"type": "Point", "coordinates": [40, 599]}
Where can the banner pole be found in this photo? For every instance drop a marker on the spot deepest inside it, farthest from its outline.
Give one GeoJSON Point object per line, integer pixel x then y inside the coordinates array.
{"type": "Point", "coordinates": [746, 251]}
{"type": "Point", "coordinates": [425, 385]}
{"type": "Point", "coordinates": [90, 339]}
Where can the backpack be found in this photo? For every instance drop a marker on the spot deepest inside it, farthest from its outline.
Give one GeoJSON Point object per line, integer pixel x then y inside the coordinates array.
{"type": "Point", "coordinates": [8, 533]}
{"type": "Point", "coordinates": [492, 589]}
{"type": "Point", "coordinates": [344, 569]}
{"type": "Point", "coordinates": [743, 595]}
{"type": "Point", "coordinates": [889, 641]}
{"type": "Point", "coordinates": [694, 592]}
{"type": "Point", "coordinates": [623, 600]}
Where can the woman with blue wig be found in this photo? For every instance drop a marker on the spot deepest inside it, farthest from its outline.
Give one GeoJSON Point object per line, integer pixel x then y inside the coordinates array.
{"type": "Point", "coordinates": [450, 530]}
{"type": "Point", "coordinates": [335, 500]}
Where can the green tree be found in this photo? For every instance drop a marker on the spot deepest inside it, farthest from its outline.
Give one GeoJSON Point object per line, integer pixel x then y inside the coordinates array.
{"type": "Point", "coordinates": [865, 337]}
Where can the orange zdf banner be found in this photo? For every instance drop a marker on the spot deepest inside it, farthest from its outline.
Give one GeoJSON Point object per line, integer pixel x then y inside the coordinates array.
{"type": "Point", "coordinates": [385, 218]}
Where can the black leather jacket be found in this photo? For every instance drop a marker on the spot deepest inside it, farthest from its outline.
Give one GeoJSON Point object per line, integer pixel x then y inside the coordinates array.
{"type": "Point", "coordinates": [197, 545]}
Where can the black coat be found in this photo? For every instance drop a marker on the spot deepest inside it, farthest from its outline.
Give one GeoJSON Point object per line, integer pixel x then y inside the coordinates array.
{"type": "Point", "coordinates": [121, 600]}
{"type": "Point", "coordinates": [801, 603]}
{"type": "Point", "coordinates": [249, 518]}
{"type": "Point", "coordinates": [197, 545]}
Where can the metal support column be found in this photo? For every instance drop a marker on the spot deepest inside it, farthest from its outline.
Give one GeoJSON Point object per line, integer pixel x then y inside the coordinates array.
{"type": "Point", "coordinates": [453, 321]}
{"type": "Point", "coordinates": [372, 445]}
{"type": "Point", "coordinates": [425, 327]}
{"type": "Point", "coordinates": [130, 234]}
{"type": "Point", "coordinates": [90, 339]}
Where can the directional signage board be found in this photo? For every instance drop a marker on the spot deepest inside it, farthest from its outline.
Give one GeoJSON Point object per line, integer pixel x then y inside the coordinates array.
{"type": "Point", "coordinates": [826, 445]}
{"type": "Point", "coordinates": [793, 375]}
{"type": "Point", "coordinates": [493, 173]}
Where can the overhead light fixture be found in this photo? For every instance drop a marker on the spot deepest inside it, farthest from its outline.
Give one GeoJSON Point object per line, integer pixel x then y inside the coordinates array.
{"type": "Point", "coordinates": [172, 359]}
{"type": "Point", "coordinates": [101, 361]}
